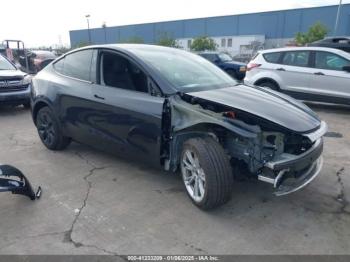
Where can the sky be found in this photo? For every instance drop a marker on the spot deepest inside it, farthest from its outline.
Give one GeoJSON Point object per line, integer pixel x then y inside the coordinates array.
{"type": "Point", "coordinates": [46, 23]}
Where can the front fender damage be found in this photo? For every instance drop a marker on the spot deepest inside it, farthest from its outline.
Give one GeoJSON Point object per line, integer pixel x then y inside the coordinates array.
{"type": "Point", "coordinates": [247, 139]}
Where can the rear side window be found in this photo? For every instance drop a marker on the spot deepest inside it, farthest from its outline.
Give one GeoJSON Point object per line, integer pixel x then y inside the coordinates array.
{"type": "Point", "coordinates": [296, 58]}
{"type": "Point", "coordinates": [330, 61]}
{"type": "Point", "coordinates": [272, 57]}
{"type": "Point", "coordinates": [76, 65]}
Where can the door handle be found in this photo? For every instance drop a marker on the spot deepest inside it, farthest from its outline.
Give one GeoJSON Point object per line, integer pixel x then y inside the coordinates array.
{"type": "Point", "coordinates": [319, 74]}
{"type": "Point", "coordinates": [99, 97]}
{"type": "Point", "coordinates": [281, 69]}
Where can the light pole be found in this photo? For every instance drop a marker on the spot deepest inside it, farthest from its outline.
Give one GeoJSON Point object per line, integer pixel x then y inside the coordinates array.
{"type": "Point", "coordinates": [337, 18]}
{"type": "Point", "coordinates": [88, 24]}
{"type": "Point", "coordinates": [104, 26]}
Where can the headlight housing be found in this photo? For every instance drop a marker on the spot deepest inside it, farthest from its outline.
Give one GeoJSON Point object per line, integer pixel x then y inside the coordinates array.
{"type": "Point", "coordinates": [27, 80]}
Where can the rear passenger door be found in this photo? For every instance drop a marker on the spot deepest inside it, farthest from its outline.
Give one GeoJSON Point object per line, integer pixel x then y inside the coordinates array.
{"type": "Point", "coordinates": [73, 86]}
{"type": "Point", "coordinates": [294, 71]}
{"type": "Point", "coordinates": [329, 80]}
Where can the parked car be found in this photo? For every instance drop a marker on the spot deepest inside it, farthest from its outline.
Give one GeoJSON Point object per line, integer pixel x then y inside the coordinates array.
{"type": "Point", "coordinates": [307, 73]}
{"type": "Point", "coordinates": [340, 42]}
{"type": "Point", "coordinates": [37, 59]}
{"type": "Point", "coordinates": [225, 62]}
{"type": "Point", "coordinates": [14, 84]}
{"type": "Point", "coordinates": [175, 110]}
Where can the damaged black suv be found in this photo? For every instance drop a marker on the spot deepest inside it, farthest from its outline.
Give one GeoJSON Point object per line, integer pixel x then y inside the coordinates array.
{"type": "Point", "coordinates": [177, 111]}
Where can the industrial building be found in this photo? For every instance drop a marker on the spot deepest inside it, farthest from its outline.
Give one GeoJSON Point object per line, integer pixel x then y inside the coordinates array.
{"type": "Point", "coordinates": [236, 34]}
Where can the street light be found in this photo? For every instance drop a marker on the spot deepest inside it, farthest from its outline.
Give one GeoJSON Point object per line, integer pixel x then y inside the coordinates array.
{"type": "Point", "coordinates": [88, 24]}
{"type": "Point", "coordinates": [104, 25]}
{"type": "Point", "coordinates": [337, 18]}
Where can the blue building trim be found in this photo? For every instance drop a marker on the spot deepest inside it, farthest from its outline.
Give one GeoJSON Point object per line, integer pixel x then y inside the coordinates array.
{"type": "Point", "coordinates": [274, 25]}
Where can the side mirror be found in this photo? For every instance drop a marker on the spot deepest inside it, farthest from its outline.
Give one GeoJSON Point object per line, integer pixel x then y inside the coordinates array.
{"type": "Point", "coordinates": [217, 61]}
{"type": "Point", "coordinates": [346, 68]}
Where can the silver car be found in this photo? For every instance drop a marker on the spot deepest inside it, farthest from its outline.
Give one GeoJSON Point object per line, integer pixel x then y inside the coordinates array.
{"type": "Point", "coordinates": [307, 73]}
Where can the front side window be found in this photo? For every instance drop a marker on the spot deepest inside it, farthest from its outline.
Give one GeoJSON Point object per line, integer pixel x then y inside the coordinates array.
{"type": "Point", "coordinates": [76, 65]}
{"type": "Point", "coordinates": [117, 71]}
{"type": "Point", "coordinates": [5, 64]}
{"type": "Point", "coordinates": [187, 72]}
{"type": "Point", "coordinates": [296, 58]}
{"type": "Point", "coordinates": [330, 61]}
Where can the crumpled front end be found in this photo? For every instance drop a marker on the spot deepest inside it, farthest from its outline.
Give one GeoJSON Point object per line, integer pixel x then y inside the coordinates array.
{"type": "Point", "coordinates": [287, 159]}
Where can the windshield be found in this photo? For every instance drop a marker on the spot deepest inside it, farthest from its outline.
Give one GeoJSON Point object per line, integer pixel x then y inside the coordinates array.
{"type": "Point", "coordinates": [187, 72]}
{"type": "Point", "coordinates": [225, 57]}
{"type": "Point", "coordinates": [5, 64]}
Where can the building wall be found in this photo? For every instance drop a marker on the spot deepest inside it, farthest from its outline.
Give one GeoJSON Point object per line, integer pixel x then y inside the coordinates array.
{"type": "Point", "coordinates": [273, 26]}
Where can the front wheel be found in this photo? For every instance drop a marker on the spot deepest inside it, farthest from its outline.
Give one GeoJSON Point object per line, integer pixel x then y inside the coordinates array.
{"type": "Point", "coordinates": [206, 173]}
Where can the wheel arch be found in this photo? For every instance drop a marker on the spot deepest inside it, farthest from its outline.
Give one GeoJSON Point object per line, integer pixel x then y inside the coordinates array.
{"type": "Point", "coordinates": [37, 106]}
{"type": "Point", "coordinates": [203, 130]}
{"type": "Point", "coordinates": [267, 79]}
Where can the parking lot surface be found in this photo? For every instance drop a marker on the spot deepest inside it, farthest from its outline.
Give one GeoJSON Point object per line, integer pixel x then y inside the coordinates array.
{"type": "Point", "coordinates": [95, 203]}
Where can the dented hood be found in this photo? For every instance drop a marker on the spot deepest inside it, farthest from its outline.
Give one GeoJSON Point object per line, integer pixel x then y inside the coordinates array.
{"type": "Point", "coordinates": [270, 105]}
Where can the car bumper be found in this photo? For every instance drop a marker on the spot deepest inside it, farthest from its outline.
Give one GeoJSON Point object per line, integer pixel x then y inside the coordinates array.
{"type": "Point", "coordinates": [294, 172]}
{"type": "Point", "coordinates": [15, 97]}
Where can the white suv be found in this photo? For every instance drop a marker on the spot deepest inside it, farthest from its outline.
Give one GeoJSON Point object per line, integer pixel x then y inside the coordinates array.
{"type": "Point", "coordinates": [307, 73]}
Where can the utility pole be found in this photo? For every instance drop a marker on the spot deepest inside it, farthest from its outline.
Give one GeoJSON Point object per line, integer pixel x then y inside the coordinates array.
{"type": "Point", "coordinates": [337, 18]}
{"type": "Point", "coordinates": [88, 24]}
{"type": "Point", "coordinates": [104, 26]}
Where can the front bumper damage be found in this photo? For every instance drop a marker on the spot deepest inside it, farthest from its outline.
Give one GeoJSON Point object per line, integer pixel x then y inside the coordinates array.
{"type": "Point", "coordinates": [289, 173]}
{"type": "Point", "coordinates": [19, 186]}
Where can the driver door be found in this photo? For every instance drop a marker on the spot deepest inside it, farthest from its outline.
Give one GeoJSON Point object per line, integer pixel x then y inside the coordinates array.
{"type": "Point", "coordinates": [127, 118]}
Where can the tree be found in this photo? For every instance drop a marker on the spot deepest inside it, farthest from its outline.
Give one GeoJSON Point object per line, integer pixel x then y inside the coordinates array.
{"type": "Point", "coordinates": [203, 43]}
{"type": "Point", "coordinates": [133, 40]}
{"type": "Point", "coordinates": [316, 32]}
{"type": "Point", "coordinates": [167, 40]}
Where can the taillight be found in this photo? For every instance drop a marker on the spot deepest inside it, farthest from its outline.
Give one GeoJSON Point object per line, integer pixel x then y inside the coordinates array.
{"type": "Point", "coordinates": [251, 66]}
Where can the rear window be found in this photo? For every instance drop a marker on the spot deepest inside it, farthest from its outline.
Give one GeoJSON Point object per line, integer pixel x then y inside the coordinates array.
{"type": "Point", "coordinates": [272, 57]}
{"type": "Point", "coordinates": [296, 58]}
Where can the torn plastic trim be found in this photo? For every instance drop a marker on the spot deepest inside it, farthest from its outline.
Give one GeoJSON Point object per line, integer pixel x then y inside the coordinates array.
{"type": "Point", "coordinates": [310, 174]}
{"type": "Point", "coordinates": [21, 186]}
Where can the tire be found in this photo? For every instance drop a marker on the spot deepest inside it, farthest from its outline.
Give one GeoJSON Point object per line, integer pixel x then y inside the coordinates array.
{"type": "Point", "coordinates": [211, 173]}
{"type": "Point", "coordinates": [50, 131]}
{"type": "Point", "coordinates": [270, 85]}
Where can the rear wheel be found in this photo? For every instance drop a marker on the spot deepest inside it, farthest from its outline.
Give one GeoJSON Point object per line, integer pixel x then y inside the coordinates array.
{"type": "Point", "coordinates": [270, 85]}
{"type": "Point", "coordinates": [206, 173]}
{"type": "Point", "coordinates": [50, 131]}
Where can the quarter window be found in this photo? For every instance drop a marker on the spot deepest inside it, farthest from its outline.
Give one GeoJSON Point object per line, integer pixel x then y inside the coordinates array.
{"type": "Point", "coordinates": [330, 61]}
{"type": "Point", "coordinates": [297, 58]}
{"type": "Point", "coordinates": [76, 65]}
{"type": "Point", "coordinates": [272, 57]}
{"type": "Point", "coordinates": [59, 66]}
